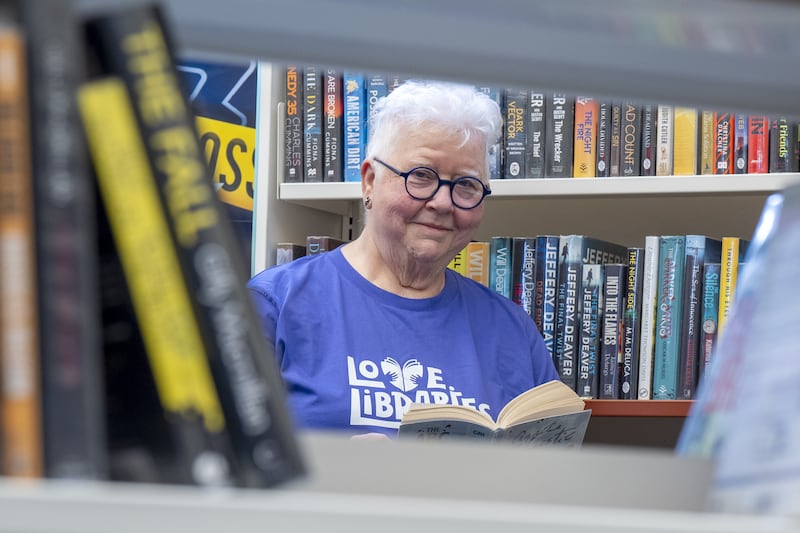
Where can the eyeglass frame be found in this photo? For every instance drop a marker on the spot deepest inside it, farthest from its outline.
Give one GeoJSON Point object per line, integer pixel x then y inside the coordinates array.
{"type": "Point", "coordinates": [449, 183]}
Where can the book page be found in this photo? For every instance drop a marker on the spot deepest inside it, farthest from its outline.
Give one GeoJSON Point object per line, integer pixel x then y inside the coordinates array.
{"type": "Point", "coordinates": [443, 429]}
{"type": "Point", "coordinates": [563, 430]}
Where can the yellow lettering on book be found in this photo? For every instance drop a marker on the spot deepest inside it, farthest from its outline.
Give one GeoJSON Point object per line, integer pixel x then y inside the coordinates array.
{"type": "Point", "coordinates": [158, 290]}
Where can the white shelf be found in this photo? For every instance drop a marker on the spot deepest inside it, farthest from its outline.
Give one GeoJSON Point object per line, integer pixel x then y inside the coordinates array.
{"type": "Point", "coordinates": [337, 197]}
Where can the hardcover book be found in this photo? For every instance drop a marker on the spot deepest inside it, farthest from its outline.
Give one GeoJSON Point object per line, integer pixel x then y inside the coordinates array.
{"type": "Point", "coordinates": [550, 414]}
{"type": "Point", "coordinates": [216, 376]}
{"type": "Point", "coordinates": [758, 144]}
{"type": "Point", "coordinates": [669, 316]}
{"type": "Point", "coordinates": [584, 161]}
{"type": "Point", "coordinates": [333, 166]}
{"type": "Point", "coordinates": [312, 124]}
{"type": "Point", "coordinates": [614, 279]}
{"type": "Point", "coordinates": [515, 133]}
{"type": "Point", "coordinates": [546, 289]}
{"type": "Point", "coordinates": [293, 126]}
{"type": "Point", "coordinates": [558, 141]}
{"type": "Point", "coordinates": [537, 131]}
{"type": "Point", "coordinates": [590, 318]}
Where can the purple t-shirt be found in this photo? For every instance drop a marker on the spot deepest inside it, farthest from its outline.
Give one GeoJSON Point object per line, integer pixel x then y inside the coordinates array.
{"type": "Point", "coordinates": [354, 356]}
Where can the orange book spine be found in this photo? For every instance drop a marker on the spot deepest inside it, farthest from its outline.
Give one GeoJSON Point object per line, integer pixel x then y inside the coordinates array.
{"type": "Point", "coordinates": [584, 161]}
{"type": "Point", "coordinates": [477, 265]}
{"type": "Point", "coordinates": [21, 412]}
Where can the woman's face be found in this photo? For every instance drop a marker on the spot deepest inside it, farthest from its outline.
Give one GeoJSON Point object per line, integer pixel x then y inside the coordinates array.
{"type": "Point", "coordinates": [428, 231]}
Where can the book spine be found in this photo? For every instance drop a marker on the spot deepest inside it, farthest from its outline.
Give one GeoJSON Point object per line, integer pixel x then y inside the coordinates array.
{"type": "Point", "coordinates": [537, 114]}
{"type": "Point", "coordinates": [559, 125]}
{"type": "Point", "coordinates": [457, 264]}
{"type": "Point", "coordinates": [317, 244]}
{"type": "Point", "coordinates": [630, 139]}
{"type": "Point", "coordinates": [590, 317]}
{"type": "Point", "coordinates": [66, 250]}
{"type": "Point", "coordinates": [496, 149]}
{"type": "Point", "coordinates": [727, 282]}
{"type": "Point", "coordinates": [632, 323]}
{"type": "Point", "coordinates": [740, 139]}
{"type": "Point", "coordinates": [500, 265]}
{"type": "Point", "coordinates": [723, 143]}
{"type": "Point", "coordinates": [355, 114]}
{"type": "Point", "coordinates": [515, 132]}
{"type": "Point", "coordinates": [615, 140]}
{"type": "Point", "coordinates": [783, 145]}
{"type": "Point", "coordinates": [312, 124]}
{"type": "Point", "coordinates": [668, 317]}
{"type": "Point", "coordinates": [584, 162]}
{"type": "Point", "coordinates": [332, 164]}
{"type": "Point", "coordinates": [523, 265]}
{"type": "Point", "coordinates": [758, 144]}
{"type": "Point", "coordinates": [685, 141]}
{"type": "Point", "coordinates": [377, 88]}
{"type": "Point", "coordinates": [21, 390]}
{"type": "Point", "coordinates": [547, 288]}
{"type": "Point", "coordinates": [566, 330]}
{"type": "Point", "coordinates": [293, 126]}
{"type": "Point", "coordinates": [478, 262]}
{"type": "Point", "coordinates": [614, 278]}
{"type": "Point", "coordinates": [649, 140]}
{"type": "Point", "coordinates": [603, 138]}
{"type": "Point", "coordinates": [245, 400]}
{"type": "Point", "coordinates": [649, 299]}
{"type": "Point", "coordinates": [286, 252]}
{"type": "Point", "coordinates": [707, 163]}
{"type": "Point", "coordinates": [698, 249]}
{"type": "Point", "coordinates": [709, 319]}
{"type": "Point", "coordinates": [667, 140]}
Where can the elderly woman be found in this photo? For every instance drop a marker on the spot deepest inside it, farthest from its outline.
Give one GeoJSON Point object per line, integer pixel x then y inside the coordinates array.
{"type": "Point", "coordinates": [362, 331]}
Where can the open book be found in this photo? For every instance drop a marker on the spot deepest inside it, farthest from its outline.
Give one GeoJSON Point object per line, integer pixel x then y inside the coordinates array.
{"type": "Point", "coordinates": [551, 413]}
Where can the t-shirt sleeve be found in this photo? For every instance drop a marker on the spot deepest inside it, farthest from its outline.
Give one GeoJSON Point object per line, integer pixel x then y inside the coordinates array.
{"type": "Point", "coordinates": [266, 310]}
{"type": "Point", "coordinates": [543, 368]}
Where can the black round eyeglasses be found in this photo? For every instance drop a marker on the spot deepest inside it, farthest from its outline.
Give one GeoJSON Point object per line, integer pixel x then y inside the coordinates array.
{"type": "Point", "coordinates": [422, 183]}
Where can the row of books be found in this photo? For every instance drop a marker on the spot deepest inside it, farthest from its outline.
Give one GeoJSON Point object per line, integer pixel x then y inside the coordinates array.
{"type": "Point", "coordinates": [545, 135]}
{"type": "Point", "coordinates": [130, 349]}
{"type": "Point", "coordinates": [620, 322]}
{"type": "Point", "coordinates": [315, 244]}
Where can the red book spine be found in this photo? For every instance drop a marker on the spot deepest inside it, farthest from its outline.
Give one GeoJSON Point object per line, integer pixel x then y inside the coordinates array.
{"type": "Point", "coordinates": [758, 144]}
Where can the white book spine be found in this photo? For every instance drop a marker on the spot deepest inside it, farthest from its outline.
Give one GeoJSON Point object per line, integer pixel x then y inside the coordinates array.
{"type": "Point", "coordinates": [649, 292]}
{"type": "Point", "coordinates": [664, 139]}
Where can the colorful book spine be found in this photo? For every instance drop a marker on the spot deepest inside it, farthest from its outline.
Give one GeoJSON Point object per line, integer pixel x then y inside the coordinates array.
{"type": "Point", "coordinates": [559, 125]}
{"type": "Point", "coordinates": [631, 139]}
{"type": "Point", "coordinates": [649, 139]}
{"type": "Point", "coordinates": [478, 262]}
{"type": "Point", "coordinates": [614, 278]}
{"type": "Point", "coordinates": [377, 88]}
{"type": "Point", "coordinates": [685, 139]}
{"type": "Point", "coordinates": [537, 116]}
{"type": "Point", "coordinates": [699, 249]}
{"type": "Point", "coordinates": [332, 146]}
{"type": "Point", "coordinates": [22, 452]}
{"type": "Point", "coordinates": [669, 316]}
{"type": "Point", "coordinates": [459, 262]}
{"type": "Point", "coordinates": [546, 288]}
{"type": "Point", "coordinates": [312, 124]}
{"type": "Point", "coordinates": [758, 144]}
{"type": "Point", "coordinates": [783, 148]}
{"type": "Point", "coordinates": [649, 304]}
{"type": "Point", "coordinates": [522, 272]}
{"type": "Point", "coordinates": [723, 142]}
{"type": "Point", "coordinates": [740, 139]}
{"type": "Point", "coordinates": [355, 130]}
{"type": "Point", "coordinates": [500, 265]}
{"type": "Point", "coordinates": [584, 160]}
{"type": "Point", "coordinates": [515, 133]}
{"type": "Point", "coordinates": [707, 161]}
{"type": "Point", "coordinates": [729, 271]}
{"type": "Point", "coordinates": [603, 138]}
{"type": "Point", "coordinates": [590, 316]}
{"type": "Point", "coordinates": [667, 140]}
{"type": "Point", "coordinates": [293, 126]}
{"type": "Point", "coordinates": [710, 315]}
{"type": "Point", "coordinates": [632, 324]}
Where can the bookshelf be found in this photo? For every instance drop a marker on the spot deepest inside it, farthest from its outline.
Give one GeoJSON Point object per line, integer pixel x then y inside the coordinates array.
{"type": "Point", "coordinates": [676, 51]}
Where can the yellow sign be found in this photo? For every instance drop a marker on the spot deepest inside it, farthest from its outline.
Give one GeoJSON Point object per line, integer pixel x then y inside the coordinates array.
{"type": "Point", "coordinates": [230, 151]}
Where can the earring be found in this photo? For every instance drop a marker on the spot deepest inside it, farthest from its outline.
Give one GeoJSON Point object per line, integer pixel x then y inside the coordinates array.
{"type": "Point", "coordinates": [368, 202]}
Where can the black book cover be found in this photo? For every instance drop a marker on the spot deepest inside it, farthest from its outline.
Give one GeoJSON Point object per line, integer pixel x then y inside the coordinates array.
{"type": "Point", "coordinates": [559, 139]}
{"type": "Point", "coordinates": [515, 133]}
{"type": "Point", "coordinates": [648, 142]}
{"type": "Point", "coordinates": [630, 139]}
{"type": "Point", "coordinates": [134, 46]}
{"type": "Point", "coordinates": [632, 324]}
{"type": "Point", "coordinates": [603, 139]}
{"type": "Point", "coordinates": [312, 123]}
{"type": "Point", "coordinates": [535, 149]}
{"type": "Point", "coordinates": [614, 278]}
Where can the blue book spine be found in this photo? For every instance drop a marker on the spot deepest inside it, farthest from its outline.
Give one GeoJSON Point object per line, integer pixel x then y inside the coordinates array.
{"type": "Point", "coordinates": [546, 289]}
{"type": "Point", "coordinates": [710, 314]}
{"type": "Point", "coordinates": [377, 88]}
{"type": "Point", "coordinates": [500, 265]}
{"type": "Point", "coordinates": [496, 149]}
{"type": "Point", "coordinates": [355, 116]}
{"type": "Point", "coordinates": [590, 317]}
{"type": "Point", "coordinates": [669, 311]}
